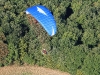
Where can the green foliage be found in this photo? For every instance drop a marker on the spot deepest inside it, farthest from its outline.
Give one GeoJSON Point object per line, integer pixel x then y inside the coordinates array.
{"type": "Point", "coordinates": [13, 54]}
{"type": "Point", "coordinates": [93, 61]}
{"type": "Point", "coordinates": [75, 48]}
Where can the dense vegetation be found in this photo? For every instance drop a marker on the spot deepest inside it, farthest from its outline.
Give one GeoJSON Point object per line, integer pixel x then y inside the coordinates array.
{"type": "Point", "coordinates": [74, 49]}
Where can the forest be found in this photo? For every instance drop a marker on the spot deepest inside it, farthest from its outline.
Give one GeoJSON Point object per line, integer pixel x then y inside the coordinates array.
{"type": "Point", "coordinates": [75, 48]}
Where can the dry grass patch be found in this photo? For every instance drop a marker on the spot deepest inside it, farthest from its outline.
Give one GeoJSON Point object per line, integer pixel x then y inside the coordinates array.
{"type": "Point", "coordinates": [29, 70]}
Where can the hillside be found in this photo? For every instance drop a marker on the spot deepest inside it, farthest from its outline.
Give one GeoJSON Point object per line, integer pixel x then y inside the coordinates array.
{"type": "Point", "coordinates": [75, 47]}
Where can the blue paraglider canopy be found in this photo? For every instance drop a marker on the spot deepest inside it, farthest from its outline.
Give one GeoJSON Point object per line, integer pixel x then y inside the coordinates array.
{"type": "Point", "coordinates": [44, 17]}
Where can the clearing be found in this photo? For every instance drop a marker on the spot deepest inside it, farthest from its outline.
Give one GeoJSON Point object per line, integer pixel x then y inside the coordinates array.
{"type": "Point", "coordinates": [29, 70]}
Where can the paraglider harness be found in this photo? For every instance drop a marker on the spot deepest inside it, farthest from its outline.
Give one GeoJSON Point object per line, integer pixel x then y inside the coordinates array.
{"type": "Point", "coordinates": [44, 51]}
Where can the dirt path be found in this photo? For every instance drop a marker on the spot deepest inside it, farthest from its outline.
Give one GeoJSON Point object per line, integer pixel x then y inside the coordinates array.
{"type": "Point", "coordinates": [29, 70]}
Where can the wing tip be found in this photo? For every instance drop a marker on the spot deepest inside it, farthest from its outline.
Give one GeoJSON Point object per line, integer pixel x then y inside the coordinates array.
{"type": "Point", "coordinates": [27, 12]}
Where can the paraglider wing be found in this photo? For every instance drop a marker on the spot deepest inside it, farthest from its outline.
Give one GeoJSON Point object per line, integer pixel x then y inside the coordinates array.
{"type": "Point", "coordinates": [44, 17]}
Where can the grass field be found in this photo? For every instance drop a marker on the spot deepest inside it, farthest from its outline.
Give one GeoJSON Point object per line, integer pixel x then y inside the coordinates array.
{"type": "Point", "coordinates": [29, 70]}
